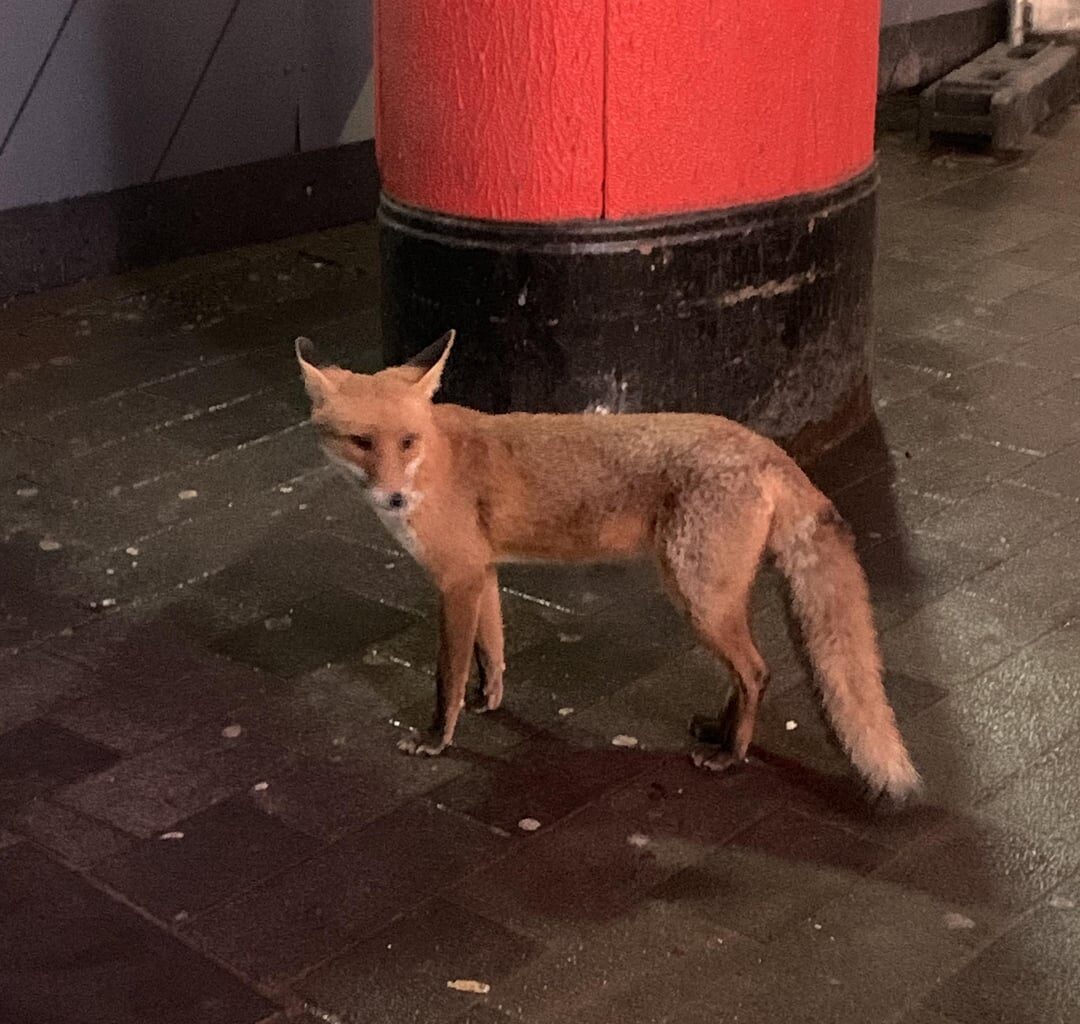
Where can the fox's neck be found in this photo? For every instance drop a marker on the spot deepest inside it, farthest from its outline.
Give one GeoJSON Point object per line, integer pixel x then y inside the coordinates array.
{"type": "Point", "coordinates": [437, 464]}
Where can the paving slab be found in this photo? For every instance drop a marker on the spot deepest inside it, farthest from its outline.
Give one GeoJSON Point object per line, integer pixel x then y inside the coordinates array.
{"type": "Point", "coordinates": [72, 953]}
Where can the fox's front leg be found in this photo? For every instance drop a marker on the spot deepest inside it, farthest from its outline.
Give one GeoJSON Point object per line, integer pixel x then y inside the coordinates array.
{"type": "Point", "coordinates": [459, 612]}
{"type": "Point", "coordinates": [490, 661]}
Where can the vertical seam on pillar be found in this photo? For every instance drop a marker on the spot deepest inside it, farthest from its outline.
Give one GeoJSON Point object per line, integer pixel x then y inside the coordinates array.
{"type": "Point", "coordinates": [604, 114]}
{"type": "Point", "coordinates": [377, 64]}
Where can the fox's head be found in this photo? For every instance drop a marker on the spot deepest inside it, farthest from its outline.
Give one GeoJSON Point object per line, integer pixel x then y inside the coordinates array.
{"type": "Point", "coordinates": [377, 426]}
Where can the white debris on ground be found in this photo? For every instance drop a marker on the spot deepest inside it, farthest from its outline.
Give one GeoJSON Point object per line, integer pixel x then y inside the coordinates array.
{"type": "Point", "coordinates": [48, 544]}
{"type": "Point", "coordinates": [188, 495]}
{"type": "Point", "coordinates": [1062, 903]}
{"type": "Point", "coordinates": [261, 787]}
{"type": "Point", "coordinates": [624, 741]}
{"type": "Point", "coordinates": [171, 835]}
{"type": "Point", "coordinates": [230, 732]}
{"type": "Point", "coordinates": [791, 725]}
{"type": "Point", "coordinates": [133, 551]}
{"type": "Point", "coordinates": [26, 492]}
{"type": "Point", "coordinates": [638, 839]}
{"type": "Point", "coordinates": [566, 711]}
{"type": "Point", "coordinates": [528, 824]}
{"type": "Point", "coordinates": [274, 625]}
{"type": "Point", "coordinates": [958, 922]}
{"type": "Point", "coordinates": [478, 988]}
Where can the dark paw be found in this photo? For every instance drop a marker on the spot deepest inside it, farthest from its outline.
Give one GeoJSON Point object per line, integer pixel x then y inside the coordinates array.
{"type": "Point", "coordinates": [715, 759]}
{"type": "Point", "coordinates": [422, 746]}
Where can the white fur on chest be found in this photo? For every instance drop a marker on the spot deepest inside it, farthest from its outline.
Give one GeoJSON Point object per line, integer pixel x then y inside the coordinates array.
{"type": "Point", "coordinates": [395, 523]}
{"type": "Point", "coordinates": [398, 527]}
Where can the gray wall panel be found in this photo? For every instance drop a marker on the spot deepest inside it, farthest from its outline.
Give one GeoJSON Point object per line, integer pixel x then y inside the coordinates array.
{"type": "Point", "coordinates": [245, 108]}
{"type": "Point", "coordinates": [902, 12]}
{"type": "Point", "coordinates": [26, 33]}
{"type": "Point", "coordinates": [121, 82]}
{"type": "Point", "coordinates": [109, 98]}
{"type": "Point", "coordinates": [337, 59]}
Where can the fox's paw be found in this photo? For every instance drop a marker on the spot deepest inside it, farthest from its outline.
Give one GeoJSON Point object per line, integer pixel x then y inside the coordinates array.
{"type": "Point", "coordinates": [490, 698]}
{"type": "Point", "coordinates": [422, 746]}
{"type": "Point", "coordinates": [715, 759]}
{"type": "Point", "coordinates": [489, 694]}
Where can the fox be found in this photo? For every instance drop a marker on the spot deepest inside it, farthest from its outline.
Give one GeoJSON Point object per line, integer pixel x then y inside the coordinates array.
{"type": "Point", "coordinates": [704, 497]}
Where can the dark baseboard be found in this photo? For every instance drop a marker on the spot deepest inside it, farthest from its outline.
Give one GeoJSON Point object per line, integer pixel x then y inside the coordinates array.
{"type": "Point", "coordinates": [915, 53]}
{"type": "Point", "coordinates": [90, 236]}
{"type": "Point", "coordinates": [761, 313]}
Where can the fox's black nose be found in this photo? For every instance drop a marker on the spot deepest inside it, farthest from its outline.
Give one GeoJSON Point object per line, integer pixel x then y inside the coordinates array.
{"type": "Point", "coordinates": [396, 500]}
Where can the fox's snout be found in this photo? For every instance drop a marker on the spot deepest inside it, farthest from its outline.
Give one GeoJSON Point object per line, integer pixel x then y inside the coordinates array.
{"type": "Point", "coordinates": [389, 501]}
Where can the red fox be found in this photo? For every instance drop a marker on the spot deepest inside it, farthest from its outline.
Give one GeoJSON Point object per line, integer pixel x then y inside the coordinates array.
{"type": "Point", "coordinates": [464, 491]}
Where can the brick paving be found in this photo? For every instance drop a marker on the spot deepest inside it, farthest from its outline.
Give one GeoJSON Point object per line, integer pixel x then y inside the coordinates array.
{"type": "Point", "coordinates": [208, 650]}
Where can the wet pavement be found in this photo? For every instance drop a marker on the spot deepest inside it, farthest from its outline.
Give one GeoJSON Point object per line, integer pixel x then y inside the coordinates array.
{"type": "Point", "coordinates": [209, 651]}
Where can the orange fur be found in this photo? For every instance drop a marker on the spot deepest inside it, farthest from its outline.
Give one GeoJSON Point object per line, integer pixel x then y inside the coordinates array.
{"type": "Point", "coordinates": [702, 495]}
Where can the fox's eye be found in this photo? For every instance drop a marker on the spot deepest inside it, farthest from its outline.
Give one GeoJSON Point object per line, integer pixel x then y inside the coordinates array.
{"type": "Point", "coordinates": [362, 441]}
{"type": "Point", "coordinates": [407, 442]}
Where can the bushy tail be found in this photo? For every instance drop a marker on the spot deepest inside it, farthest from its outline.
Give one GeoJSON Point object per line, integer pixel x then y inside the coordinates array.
{"type": "Point", "coordinates": [815, 551]}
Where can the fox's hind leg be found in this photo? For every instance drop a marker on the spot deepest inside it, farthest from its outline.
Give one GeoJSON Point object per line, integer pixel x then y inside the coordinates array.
{"type": "Point", "coordinates": [710, 563]}
{"type": "Point", "coordinates": [490, 663]}
{"type": "Point", "coordinates": [730, 639]}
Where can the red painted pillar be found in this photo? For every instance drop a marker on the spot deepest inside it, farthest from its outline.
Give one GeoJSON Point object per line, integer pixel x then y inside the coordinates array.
{"type": "Point", "coordinates": [723, 104]}
{"type": "Point", "coordinates": [632, 204]}
{"type": "Point", "coordinates": [492, 108]}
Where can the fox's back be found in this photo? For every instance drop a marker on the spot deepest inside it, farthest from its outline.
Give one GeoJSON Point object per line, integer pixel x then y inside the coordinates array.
{"type": "Point", "coordinates": [639, 444]}
{"type": "Point", "coordinates": [570, 486]}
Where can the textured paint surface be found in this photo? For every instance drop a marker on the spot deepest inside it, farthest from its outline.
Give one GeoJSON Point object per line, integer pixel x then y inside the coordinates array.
{"type": "Point", "coordinates": [490, 108]}
{"type": "Point", "coordinates": [733, 103]}
{"type": "Point", "coordinates": [541, 110]}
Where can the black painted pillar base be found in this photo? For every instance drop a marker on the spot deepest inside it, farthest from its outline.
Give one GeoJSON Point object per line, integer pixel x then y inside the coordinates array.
{"type": "Point", "coordinates": [761, 313]}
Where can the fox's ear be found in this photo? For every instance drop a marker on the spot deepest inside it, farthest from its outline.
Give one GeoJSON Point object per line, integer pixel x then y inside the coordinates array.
{"type": "Point", "coordinates": [319, 386]}
{"type": "Point", "coordinates": [433, 361]}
